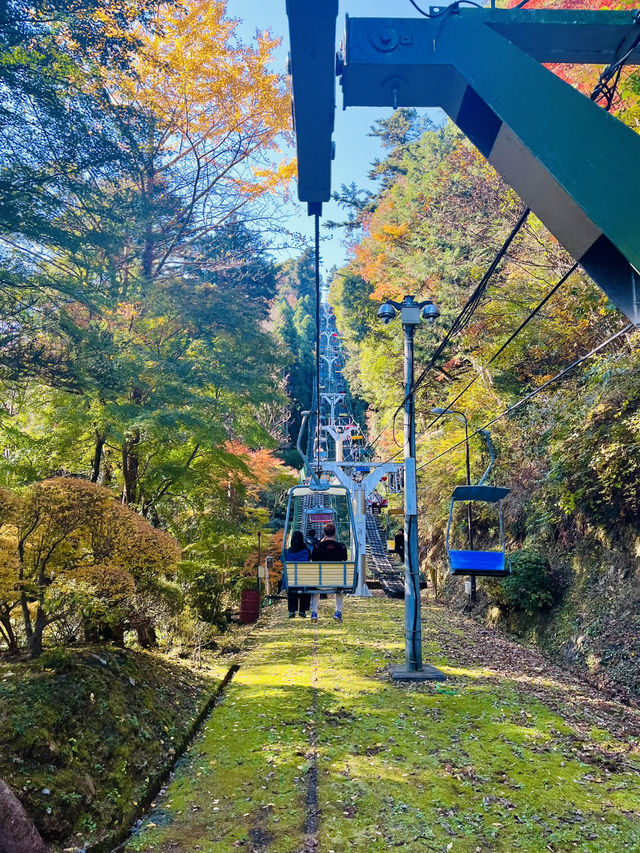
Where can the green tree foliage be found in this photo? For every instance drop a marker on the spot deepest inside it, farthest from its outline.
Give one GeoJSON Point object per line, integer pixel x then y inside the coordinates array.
{"type": "Point", "coordinates": [205, 590]}
{"type": "Point", "coordinates": [79, 556]}
{"type": "Point", "coordinates": [67, 154]}
{"type": "Point", "coordinates": [529, 587]}
{"type": "Point", "coordinates": [135, 350]}
{"type": "Point", "coordinates": [180, 371]}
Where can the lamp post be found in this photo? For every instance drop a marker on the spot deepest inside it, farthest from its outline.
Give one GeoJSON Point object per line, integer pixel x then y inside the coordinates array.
{"type": "Point", "coordinates": [462, 417]}
{"type": "Point", "coordinates": [411, 313]}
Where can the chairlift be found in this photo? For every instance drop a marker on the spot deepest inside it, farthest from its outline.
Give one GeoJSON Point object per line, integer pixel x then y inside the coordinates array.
{"type": "Point", "coordinates": [309, 507]}
{"type": "Point", "coordinates": [479, 562]}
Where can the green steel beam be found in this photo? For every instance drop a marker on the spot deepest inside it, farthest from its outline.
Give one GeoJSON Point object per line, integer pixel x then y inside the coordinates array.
{"type": "Point", "coordinates": [564, 35]}
{"type": "Point", "coordinates": [569, 160]}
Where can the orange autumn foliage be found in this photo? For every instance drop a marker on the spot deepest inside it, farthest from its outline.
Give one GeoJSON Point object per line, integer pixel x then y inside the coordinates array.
{"type": "Point", "coordinates": [69, 544]}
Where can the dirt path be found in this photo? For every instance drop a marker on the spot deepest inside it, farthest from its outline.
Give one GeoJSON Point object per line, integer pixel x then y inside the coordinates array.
{"type": "Point", "coordinates": [313, 749]}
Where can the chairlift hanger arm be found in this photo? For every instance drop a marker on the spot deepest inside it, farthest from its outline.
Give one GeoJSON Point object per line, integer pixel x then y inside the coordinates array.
{"type": "Point", "coordinates": [570, 161]}
{"type": "Point", "coordinates": [492, 456]}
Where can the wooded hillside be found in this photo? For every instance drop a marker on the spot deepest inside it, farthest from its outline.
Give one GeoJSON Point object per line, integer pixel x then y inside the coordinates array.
{"type": "Point", "coordinates": [432, 229]}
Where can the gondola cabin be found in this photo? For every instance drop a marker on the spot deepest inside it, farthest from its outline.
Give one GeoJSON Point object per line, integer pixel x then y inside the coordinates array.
{"type": "Point", "coordinates": [309, 509]}
{"type": "Point", "coordinates": [474, 561]}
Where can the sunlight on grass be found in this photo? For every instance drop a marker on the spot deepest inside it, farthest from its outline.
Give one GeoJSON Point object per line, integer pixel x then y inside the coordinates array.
{"type": "Point", "coordinates": [476, 762]}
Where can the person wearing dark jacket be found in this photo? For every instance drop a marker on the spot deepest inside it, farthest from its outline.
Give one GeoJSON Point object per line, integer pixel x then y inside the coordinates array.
{"type": "Point", "coordinates": [328, 550]}
{"type": "Point", "coordinates": [312, 539]}
{"type": "Point", "coordinates": [398, 544]}
{"type": "Point", "coordinates": [297, 553]}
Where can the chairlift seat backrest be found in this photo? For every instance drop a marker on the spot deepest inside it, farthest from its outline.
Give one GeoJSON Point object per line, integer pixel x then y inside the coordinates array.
{"type": "Point", "coordinates": [488, 494]}
{"type": "Point", "coordinates": [308, 507]}
{"type": "Point", "coordinates": [487, 563]}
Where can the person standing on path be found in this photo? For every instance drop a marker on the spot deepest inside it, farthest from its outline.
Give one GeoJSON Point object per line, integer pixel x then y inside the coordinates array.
{"type": "Point", "coordinates": [398, 545]}
{"type": "Point", "coordinates": [328, 550]}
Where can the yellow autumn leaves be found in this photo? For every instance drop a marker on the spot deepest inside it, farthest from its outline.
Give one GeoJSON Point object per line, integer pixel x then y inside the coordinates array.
{"type": "Point", "coordinates": [216, 102]}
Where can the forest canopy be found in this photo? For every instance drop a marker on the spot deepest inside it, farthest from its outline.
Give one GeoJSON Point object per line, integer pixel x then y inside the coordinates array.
{"type": "Point", "coordinates": [143, 147]}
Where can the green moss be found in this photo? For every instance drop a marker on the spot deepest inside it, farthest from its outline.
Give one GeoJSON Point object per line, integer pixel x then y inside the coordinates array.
{"type": "Point", "coordinates": [489, 760]}
{"type": "Point", "coordinates": [80, 739]}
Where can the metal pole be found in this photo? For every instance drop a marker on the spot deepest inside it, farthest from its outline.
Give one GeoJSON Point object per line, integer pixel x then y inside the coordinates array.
{"type": "Point", "coordinates": [259, 554]}
{"type": "Point", "coordinates": [413, 631]}
{"type": "Point", "coordinates": [469, 517]}
{"type": "Point", "coordinates": [317, 271]}
{"type": "Point", "coordinates": [360, 518]}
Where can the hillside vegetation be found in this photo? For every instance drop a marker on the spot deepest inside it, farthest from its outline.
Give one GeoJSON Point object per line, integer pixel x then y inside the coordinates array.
{"type": "Point", "coordinates": [87, 734]}
{"type": "Point", "coordinates": [569, 455]}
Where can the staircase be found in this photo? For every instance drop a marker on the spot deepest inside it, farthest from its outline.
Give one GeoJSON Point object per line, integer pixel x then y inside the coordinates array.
{"type": "Point", "coordinates": [383, 569]}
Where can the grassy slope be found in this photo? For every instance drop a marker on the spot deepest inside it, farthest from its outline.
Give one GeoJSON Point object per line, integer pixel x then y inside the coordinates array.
{"type": "Point", "coordinates": [93, 735]}
{"type": "Point", "coordinates": [508, 754]}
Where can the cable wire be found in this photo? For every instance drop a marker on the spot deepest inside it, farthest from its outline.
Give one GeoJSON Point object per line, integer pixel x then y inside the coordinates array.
{"type": "Point", "coordinates": [509, 340]}
{"type": "Point", "coordinates": [464, 317]}
{"type": "Point", "coordinates": [447, 9]}
{"type": "Point", "coordinates": [532, 394]}
{"type": "Point", "coordinates": [460, 322]}
{"type": "Point", "coordinates": [601, 89]}
{"type": "Point", "coordinates": [604, 88]}
{"type": "Point", "coordinates": [533, 313]}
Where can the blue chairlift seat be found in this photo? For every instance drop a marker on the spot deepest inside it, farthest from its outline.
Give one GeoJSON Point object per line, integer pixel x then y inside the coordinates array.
{"type": "Point", "coordinates": [476, 562]}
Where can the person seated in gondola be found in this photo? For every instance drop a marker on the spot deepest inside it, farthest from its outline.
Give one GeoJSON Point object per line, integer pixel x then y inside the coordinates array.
{"type": "Point", "coordinates": [312, 539]}
{"type": "Point", "coordinates": [328, 550]}
{"type": "Point", "coordinates": [298, 553]}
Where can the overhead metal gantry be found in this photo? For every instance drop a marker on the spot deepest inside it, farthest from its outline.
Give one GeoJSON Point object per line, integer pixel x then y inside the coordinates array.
{"type": "Point", "coordinates": [574, 164]}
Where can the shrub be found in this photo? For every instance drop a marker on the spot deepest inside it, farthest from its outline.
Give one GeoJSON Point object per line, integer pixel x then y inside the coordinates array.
{"type": "Point", "coordinates": [529, 587]}
{"type": "Point", "coordinates": [71, 554]}
{"type": "Point", "coordinates": [205, 591]}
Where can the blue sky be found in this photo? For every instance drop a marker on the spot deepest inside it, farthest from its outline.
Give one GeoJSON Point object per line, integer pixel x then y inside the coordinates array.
{"type": "Point", "coordinates": [354, 149]}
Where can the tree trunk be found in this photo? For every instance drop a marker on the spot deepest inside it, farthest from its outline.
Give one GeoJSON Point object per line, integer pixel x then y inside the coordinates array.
{"type": "Point", "coordinates": [7, 634]}
{"type": "Point", "coordinates": [102, 632]}
{"type": "Point", "coordinates": [130, 466]}
{"type": "Point", "coordinates": [149, 192]}
{"type": "Point", "coordinates": [26, 616]}
{"type": "Point", "coordinates": [107, 476]}
{"type": "Point", "coordinates": [34, 642]}
{"type": "Point", "coordinates": [147, 635]}
{"type": "Point", "coordinates": [97, 457]}
{"type": "Point", "coordinates": [147, 257]}
{"type": "Point", "coordinates": [17, 832]}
